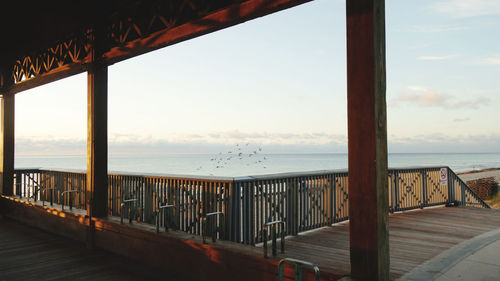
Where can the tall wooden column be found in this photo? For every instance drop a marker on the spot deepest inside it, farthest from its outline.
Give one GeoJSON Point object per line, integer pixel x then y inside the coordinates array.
{"type": "Point", "coordinates": [97, 135]}
{"type": "Point", "coordinates": [367, 140]}
{"type": "Point", "coordinates": [7, 145]}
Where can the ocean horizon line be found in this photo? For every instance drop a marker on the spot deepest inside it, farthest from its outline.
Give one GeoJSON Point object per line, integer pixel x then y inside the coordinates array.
{"type": "Point", "coordinates": [225, 153]}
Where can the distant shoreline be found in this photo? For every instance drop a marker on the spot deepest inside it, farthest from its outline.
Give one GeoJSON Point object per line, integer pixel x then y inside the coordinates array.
{"type": "Point", "coordinates": [480, 174]}
{"type": "Point", "coordinates": [478, 171]}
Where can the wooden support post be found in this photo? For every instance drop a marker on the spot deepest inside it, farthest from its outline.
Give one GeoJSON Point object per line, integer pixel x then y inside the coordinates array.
{"type": "Point", "coordinates": [367, 134]}
{"type": "Point", "coordinates": [7, 145]}
{"type": "Point", "coordinates": [97, 135]}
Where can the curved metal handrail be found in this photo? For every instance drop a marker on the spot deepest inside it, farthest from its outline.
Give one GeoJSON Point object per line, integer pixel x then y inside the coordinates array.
{"type": "Point", "coordinates": [51, 197]}
{"type": "Point", "coordinates": [122, 205]}
{"type": "Point", "coordinates": [298, 268]}
{"type": "Point", "coordinates": [213, 233]}
{"type": "Point", "coordinates": [265, 228]}
{"type": "Point", "coordinates": [163, 208]}
{"type": "Point", "coordinates": [70, 201]}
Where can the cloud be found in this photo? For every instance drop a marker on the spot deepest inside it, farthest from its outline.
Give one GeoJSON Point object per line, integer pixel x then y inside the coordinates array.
{"type": "Point", "coordinates": [436, 28]}
{"type": "Point", "coordinates": [188, 143]}
{"type": "Point", "coordinates": [54, 146]}
{"type": "Point", "coordinates": [458, 120]}
{"type": "Point", "coordinates": [473, 104]}
{"type": "Point", "coordinates": [467, 8]}
{"type": "Point", "coordinates": [441, 143]}
{"type": "Point", "coordinates": [437, 57]}
{"type": "Point", "coordinates": [424, 97]}
{"type": "Point", "coordinates": [236, 136]}
{"type": "Point", "coordinates": [495, 60]}
{"type": "Point", "coordinates": [436, 142]}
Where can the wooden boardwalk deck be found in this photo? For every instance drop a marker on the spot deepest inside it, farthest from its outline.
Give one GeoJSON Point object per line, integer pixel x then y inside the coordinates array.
{"type": "Point", "coordinates": [27, 253]}
{"type": "Point", "coordinates": [415, 237]}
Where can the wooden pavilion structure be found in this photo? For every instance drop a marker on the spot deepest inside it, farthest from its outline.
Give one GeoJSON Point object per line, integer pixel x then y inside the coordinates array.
{"type": "Point", "coordinates": [49, 40]}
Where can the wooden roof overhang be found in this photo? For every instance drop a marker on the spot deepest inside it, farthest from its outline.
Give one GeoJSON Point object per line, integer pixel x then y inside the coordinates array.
{"type": "Point", "coordinates": [44, 41]}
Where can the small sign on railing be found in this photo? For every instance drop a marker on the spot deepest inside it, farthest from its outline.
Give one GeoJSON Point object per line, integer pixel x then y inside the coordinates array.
{"type": "Point", "coordinates": [444, 176]}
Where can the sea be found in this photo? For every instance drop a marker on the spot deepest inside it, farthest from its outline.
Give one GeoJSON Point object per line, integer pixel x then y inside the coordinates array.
{"type": "Point", "coordinates": [233, 164]}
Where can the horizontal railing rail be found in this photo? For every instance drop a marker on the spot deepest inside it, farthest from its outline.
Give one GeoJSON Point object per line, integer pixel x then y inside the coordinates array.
{"type": "Point", "coordinates": [302, 201]}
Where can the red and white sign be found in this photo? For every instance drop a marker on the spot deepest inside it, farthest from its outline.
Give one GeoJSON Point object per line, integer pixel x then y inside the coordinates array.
{"type": "Point", "coordinates": [444, 176]}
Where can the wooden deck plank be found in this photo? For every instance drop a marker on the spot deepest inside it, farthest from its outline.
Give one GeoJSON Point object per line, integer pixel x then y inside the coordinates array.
{"type": "Point", "coordinates": [415, 237]}
{"type": "Point", "coordinates": [27, 253]}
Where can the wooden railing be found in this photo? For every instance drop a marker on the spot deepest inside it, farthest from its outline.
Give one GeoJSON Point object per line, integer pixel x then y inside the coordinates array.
{"type": "Point", "coordinates": [303, 201]}
{"type": "Point", "coordinates": [52, 187]}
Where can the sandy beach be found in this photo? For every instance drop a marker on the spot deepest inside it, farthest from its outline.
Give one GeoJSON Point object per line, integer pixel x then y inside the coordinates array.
{"type": "Point", "coordinates": [474, 175]}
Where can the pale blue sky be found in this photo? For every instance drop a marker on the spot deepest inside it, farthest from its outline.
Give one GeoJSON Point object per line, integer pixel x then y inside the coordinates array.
{"type": "Point", "coordinates": [280, 81]}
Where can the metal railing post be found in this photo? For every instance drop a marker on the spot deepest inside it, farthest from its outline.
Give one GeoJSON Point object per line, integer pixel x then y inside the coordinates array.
{"type": "Point", "coordinates": [273, 237]}
{"type": "Point", "coordinates": [264, 237]}
{"type": "Point", "coordinates": [451, 191]}
{"type": "Point", "coordinates": [396, 191]}
{"type": "Point", "coordinates": [463, 195]}
{"type": "Point", "coordinates": [70, 198]}
{"type": "Point", "coordinates": [122, 205]}
{"type": "Point", "coordinates": [424, 189]}
{"type": "Point", "coordinates": [166, 217]}
{"type": "Point", "coordinates": [235, 214]}
{"type": "Point", "coordinates": [52, 196]}
{"type": "Point", "coordinates": [393, 192]}
{"type": "Point", "coordinates": [213, 226]}
{"type": "Point", "coordinates": [43, 197]}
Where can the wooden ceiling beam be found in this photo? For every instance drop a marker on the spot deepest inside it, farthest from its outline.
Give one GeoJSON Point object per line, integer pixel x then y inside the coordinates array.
{"type": "Point", "coordinates": [231, 15]}
{"type": "Point", "coordinates": [49, 77]}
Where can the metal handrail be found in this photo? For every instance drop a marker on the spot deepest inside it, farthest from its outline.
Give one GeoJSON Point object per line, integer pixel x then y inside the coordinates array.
{"type": "Point", "coordinates": [273, 237]}
{"type": "Point", "coordinates": [122, 205]}
{"type": "Point", "coordinates": [70, 201]}
{"type": "Point", "coordinates": [213, 229]}
{"type": "Point", "coordinates": [164, 208]}
{"type": "Point", "coordinates": [51, 196]}
{"type": "Point", "coordinates": [298, 268]}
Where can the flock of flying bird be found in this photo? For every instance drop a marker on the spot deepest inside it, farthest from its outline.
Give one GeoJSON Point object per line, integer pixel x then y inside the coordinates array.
{"type": "Point", "coordinates": [239, 153]}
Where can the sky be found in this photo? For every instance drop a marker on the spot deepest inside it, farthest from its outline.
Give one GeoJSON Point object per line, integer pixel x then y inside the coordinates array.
{"type": "Point", "coordinates": [280, 82]}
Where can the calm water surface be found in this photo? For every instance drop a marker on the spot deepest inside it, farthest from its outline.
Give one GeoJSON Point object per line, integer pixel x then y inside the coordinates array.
{"type": "Point", "coordinates": [232, 164]}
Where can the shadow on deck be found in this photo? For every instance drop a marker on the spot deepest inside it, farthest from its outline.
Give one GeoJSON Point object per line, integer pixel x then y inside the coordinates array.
{"type": "Point", "coordinates": [27, 253]}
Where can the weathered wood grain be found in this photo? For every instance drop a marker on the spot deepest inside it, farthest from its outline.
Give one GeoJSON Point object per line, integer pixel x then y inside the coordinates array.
{"type": "Point", "coordinates": [367, 139]}
{"type": "Point", "coordinates": [415, 237]}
